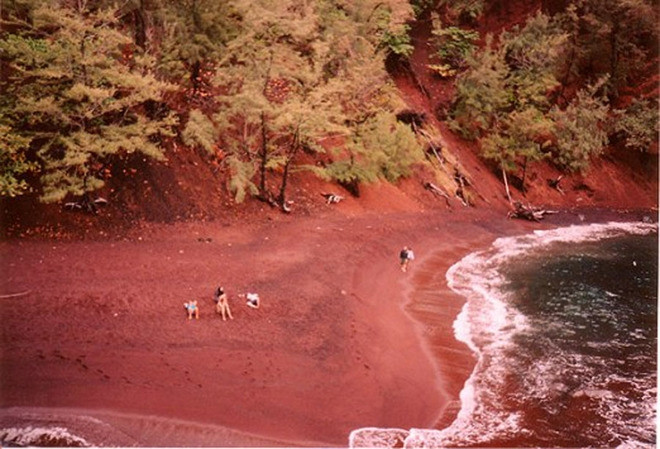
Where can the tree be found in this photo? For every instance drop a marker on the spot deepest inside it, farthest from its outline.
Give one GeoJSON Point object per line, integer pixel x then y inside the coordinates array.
{"type": "Point", "coordinates": [138, 15]}
{"type": "Point", "coordinates": [278, 102]}
{"type": "Point", "coordinates": [464, 11]}
{"type": "Point", "coordinates": [638, 124]}
{"type": "Point", "coordinates": [572, 52]}
{"type": "Point", "coordinates": [301, 74]}
{"type": "Point", "coordinates": [481, 92]}
{"type": "Point", "coordinates": [519, 139]}
{"type": "Point", "coordinates": [614, 38]}
{"type": "Point", "coordinates": [452, 46]}
{"type": "Point", "coordinates": [80, 98]}
{"type": "Point", "coordinates": [505, 98]}
{"type": "Point", "coordinates": [532, 57]}
{"type": "Point", "coordinates": [195, 35]}
{"type": "Point", "coordinates": [580, 129]}
{"type": "Point", "coordinates": [392, 146]}
{"type": "Point", "coordinates": [200, 132]}
{"type": "Point", "coordinates": [384, 24]}
{"type": "Point", "coordinates": [13, 160]}
{"type": "Point", "coordinates": [368, 100]}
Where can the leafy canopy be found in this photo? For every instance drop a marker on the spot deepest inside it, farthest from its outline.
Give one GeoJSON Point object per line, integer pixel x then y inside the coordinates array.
{"type": "Point", "coordinates": [79, 98]}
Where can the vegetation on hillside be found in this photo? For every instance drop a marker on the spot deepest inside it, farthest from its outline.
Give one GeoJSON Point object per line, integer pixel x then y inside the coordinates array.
{"type": "Point", "coordinates": [544, 91]}
{"type": "Point", "coordinates": [269, 87]}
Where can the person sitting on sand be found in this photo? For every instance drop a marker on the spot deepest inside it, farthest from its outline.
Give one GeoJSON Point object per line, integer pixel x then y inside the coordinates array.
{"type": "Point", "coordinates": [222, 304]}
{"type": "Point", "coordinates": [218, 293]}
{"type": "Point", "coordinates": [405, 256]}
{"type": "Point", "coordinates": [192, 309]}
{"type": "Point", "coordinates": [253, 300]}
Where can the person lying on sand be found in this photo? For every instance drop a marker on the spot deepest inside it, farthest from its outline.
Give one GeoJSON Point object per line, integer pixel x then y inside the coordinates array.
{"type": "Point", "coordinates": [253, 300]}
{"type": "Point", "coordinates": [192, 309]}
{"type": "Point", "coordinates": [222, 304]}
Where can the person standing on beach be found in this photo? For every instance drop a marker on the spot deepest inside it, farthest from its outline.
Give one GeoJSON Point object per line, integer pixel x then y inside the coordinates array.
{"type": "Point", "coordinates": [405, 256]}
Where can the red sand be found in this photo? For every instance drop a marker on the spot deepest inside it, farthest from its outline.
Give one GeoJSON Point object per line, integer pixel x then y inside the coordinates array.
{"type": "Point", "coordinates": [343, 338]}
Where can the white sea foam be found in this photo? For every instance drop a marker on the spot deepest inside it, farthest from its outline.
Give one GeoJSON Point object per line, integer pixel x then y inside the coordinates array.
{"type": "Point", "coordinates": [487, 325]}
{"type": "Point", "coordinates": [41, 436]}
{"type": "Point", "coordinates": [377, 437]}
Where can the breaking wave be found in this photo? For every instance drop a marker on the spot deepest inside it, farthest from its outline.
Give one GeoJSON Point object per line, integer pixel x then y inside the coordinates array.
{"type": "Point", "coordinates": [41, 437]}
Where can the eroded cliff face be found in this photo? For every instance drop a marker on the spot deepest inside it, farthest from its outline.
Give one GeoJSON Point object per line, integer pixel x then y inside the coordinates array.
{"type": "Point", "coordinates": [621, 178]}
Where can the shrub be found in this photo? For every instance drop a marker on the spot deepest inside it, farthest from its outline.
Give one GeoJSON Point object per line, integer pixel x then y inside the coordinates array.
{"type": "Point", "coordinates": [580, 129]}
{"type": "Point", "coordinates": [638, 124]}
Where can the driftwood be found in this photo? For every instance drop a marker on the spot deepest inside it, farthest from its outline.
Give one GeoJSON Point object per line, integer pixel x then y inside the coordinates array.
{"type": "Point", "coordinates": [528, 212]}
{"type": "Point", "coordinates": [332, 198]}
{"type": "Point", "coordinates": [554, 183]}
{"type": "Point", "coordinates": [85, 204]}
{"type": "Point", "coordinates": [16, 295]}
{"type": "Point", "coordinates": [437, 191]}
{"type": "Point", "coordinates": [461, 181]}
{"type": "Point", "coordinates": [437, 152]}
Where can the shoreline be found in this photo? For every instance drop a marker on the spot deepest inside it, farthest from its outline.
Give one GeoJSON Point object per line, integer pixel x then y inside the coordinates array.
{"type": "Point", "coordinates": [435, 307]}
{"type": "Point", "coordinates": [332, 365]}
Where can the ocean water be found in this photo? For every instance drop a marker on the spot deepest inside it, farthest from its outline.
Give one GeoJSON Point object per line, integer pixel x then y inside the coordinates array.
{"type": "Point", "coordinates": [564, 327]}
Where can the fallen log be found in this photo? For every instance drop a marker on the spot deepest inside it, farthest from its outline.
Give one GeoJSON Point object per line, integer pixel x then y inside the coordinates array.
{"type": "Point", "coordinates": [528, 212]}
{"type": "Point", "coordinates": [437, 191]}
{"type": "Point", "coordinates": [16, 295]}
{"type": "Point", "coordinates": [332, 198]}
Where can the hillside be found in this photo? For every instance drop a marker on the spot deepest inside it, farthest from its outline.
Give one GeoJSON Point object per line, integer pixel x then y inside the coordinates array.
{"type": "Point", "coordinates": [190, 186]}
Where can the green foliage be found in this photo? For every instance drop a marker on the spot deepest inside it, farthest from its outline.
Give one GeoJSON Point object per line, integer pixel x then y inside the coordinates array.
{"type": "Point", "coordinates": [200, 132]}
{"type": "Point", "coordinates": [277, 98]}
{"type": "Point", "coordinates": [638, 124]}
{"type": "Point", "coordinates": [518, 140]}
{"type": "Point", "coordinates": [481, 93]}
{"type": "Point", "coordinates": [532, 56]}
{"type": "Point", "coordinates": [580, 129]}
{"type": "Point", "coordinates": [611, 37]}
{"type": "Point", "coordinates": [350, 171]}
{"type": "Point", "coordinates": [302, 74]}
{"type": "Point", "coordinates": [196, 33]}
{"type": "Point", "coordinates": [384, 24]}
{"type": "Point", "coordinates": [399, 43]}
{"type": "Point", "coordinates": [465, 11]}
{"type": "Point", "coordinates": [452, 45]}
{"type": "Point", "coordinates": [240, 181]}
{"type": "Point", "coordinates": [420, 6]}
{"type": "Point", "coordinates": [380, 148]}
{"type": "Point", "coordinates": [76, 100]}
{"type": "Point", "coordinates": [13, 162]}
{"type": "Point", "coordinates": [504, 97]}
{"type": "Point", "coordinates": [392, 147]}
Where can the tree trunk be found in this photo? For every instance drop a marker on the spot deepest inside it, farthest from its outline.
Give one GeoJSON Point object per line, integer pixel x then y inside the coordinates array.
{"type": "Point", "coordinates": [291, 154]}
{"type": "Point", "coordinates": [281, 199]}
{"type": "Point", "coordinates": [263, 158]}
{"type": "Point", "coordinates": [195, 72]}
{"type": "Point", "coordinates": [506, 185]}
{"type": "Point", "coordinates": [524, 175]}
{"type": "Point", "coordinates": [140, 27]}
{"type": "Point", "coordinates": [614, 57]}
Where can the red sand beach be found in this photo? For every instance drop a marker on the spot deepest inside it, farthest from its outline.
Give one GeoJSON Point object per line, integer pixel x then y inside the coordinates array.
{"type": "Point", "coordinates": [343, 338]}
